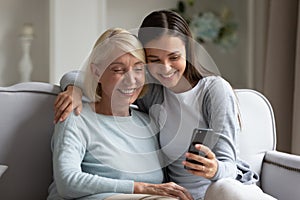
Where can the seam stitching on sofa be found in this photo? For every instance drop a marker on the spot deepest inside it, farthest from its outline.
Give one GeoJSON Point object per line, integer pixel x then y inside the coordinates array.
{"type": "Point", "coordinates": [30, 91]}
{"type": "Point", "coordinates": [282, 166]}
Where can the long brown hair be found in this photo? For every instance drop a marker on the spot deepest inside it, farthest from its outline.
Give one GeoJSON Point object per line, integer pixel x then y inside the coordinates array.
{"type": "Point", "coordinates": [162, 22]}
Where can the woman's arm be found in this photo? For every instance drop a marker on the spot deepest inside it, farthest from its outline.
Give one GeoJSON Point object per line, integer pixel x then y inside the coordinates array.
{"type": "Point", "coordinates": [69, 147]}
{"type": "Point", "coordinates": [221, 113]}
{"type": "Point", "coordinates": [71, 98]}
{"type": "Point", "coordinates": [72, 85]}
{"type": "Point", "coordinates": [66, 102]}
{"type": "Point", "coordinates": [74, 78]}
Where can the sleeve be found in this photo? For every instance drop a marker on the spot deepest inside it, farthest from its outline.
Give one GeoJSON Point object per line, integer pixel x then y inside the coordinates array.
{"type": "Point", "coordinates": [221, 113]}
{"type": "Point", "coordinates": [154, 95]}
{"type": "Point", "coordinates": [69, 147]}
{"type": "Point", "coordinates": [75, 77]}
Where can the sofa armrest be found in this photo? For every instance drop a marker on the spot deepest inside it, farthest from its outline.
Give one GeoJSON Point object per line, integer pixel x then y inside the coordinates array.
{"type": "Point", "coordinates": [280, 175]}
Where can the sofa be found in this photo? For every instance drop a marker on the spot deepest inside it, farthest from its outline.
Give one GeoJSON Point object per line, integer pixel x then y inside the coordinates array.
{"type": "Point", "coordinates": [26, 127]}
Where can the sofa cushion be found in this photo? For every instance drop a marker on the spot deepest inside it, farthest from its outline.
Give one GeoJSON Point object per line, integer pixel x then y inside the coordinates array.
{"type": "Point", "coordinates": [26, 129]}
{"type": "Point", "coordinates": [258, 133]}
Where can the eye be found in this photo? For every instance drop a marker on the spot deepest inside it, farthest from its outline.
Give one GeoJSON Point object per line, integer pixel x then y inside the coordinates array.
{"type": "Point", "coordinates": [138, 68]}
{"type": "Point", "coordinates": [153, 60]}
{"type": "Point", "coordinates": [174, 57]}
{"type": "Point", "coordinates": [118, 70]}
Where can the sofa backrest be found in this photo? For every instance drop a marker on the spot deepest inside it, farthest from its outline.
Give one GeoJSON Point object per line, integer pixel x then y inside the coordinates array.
{"type": "Point", "coordinates": [26, 127]}
{"type": "Point", "coordinates": [258, 127]}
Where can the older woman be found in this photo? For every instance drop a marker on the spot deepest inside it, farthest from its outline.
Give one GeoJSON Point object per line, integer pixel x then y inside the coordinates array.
{"type": "Point", "coordinates": [110, 151]}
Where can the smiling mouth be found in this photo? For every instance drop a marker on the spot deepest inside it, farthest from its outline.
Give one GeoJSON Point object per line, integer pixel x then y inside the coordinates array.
{"type": "Point", "coordinates": [127, 91]}
{"type": "Point", "coordinates": [166, 76]}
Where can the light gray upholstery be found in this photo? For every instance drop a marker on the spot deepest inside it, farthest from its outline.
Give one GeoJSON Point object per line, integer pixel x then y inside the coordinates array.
{"type": "Point", "coordinates": [258, 127]}
{"type": "Point", "coordinates": [279, 172]}
{"type": "Point", "coordinates": [281, 175]}
{"type": "Point", "coordinates": [26, 126]}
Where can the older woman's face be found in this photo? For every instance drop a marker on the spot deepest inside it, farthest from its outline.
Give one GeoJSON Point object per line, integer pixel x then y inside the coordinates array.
{"type": "Point", "coordinates": [123, 79]}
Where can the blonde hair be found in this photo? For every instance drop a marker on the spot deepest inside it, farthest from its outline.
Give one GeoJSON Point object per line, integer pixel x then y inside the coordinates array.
{"type": "Point", "coordinates": [109, 46]}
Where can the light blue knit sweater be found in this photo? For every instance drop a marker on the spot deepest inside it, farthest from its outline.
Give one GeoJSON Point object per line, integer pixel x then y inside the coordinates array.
{"type": "Point", "coordinates": [95, 156]}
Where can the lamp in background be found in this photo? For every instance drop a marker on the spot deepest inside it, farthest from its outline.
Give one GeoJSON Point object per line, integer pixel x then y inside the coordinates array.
{"type": "Point", "coordinates": [25, 65]}
{"type": "Point", "coordinates": [2, 169]}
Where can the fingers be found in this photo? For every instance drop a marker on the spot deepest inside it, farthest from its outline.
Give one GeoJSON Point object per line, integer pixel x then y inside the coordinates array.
{"type": "Point", "coordinates": [62, 113]}
{"type": "Point", "coordinates": [209, 164]}
{"type": "Point", "coordinates": [166, 189]}
{"type": "Point", "coordinates": [62, 104]}
{"type": "Point", "coordinates": [177, 191]}
{"type": "Point", "coordinates": [66, 102]}
{"type": "Point", "coordinates": [207, 151]}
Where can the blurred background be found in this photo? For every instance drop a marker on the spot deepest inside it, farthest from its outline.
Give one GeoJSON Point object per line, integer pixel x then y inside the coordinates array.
{"type": "Point", "coordinates": [255, 43]}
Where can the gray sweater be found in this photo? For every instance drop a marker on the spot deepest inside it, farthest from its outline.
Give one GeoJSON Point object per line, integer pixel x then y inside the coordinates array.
{"type": "Point", "coordinates": [210, 104]}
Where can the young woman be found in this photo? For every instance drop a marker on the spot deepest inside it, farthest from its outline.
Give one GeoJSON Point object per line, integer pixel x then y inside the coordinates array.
{"type": "Point", "coordinates": [110, 151]}
{"type": "Point", "coordinates": [182, 95]}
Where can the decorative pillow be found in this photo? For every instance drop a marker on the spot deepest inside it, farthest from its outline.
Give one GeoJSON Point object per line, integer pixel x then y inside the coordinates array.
{"type": "Point", "coordinates": [2, 169]}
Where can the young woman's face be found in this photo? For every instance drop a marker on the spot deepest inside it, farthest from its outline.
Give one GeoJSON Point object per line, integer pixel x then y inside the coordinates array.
{"type": "Point", "coordinates": [166, 58]}
{"type": "Point", "coordinates": [123, 79]}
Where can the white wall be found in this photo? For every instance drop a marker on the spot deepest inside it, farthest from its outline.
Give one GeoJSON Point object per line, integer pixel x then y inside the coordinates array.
{"type": "Point", "coordinates": [13, 14]}
{"type": "Point", "coordinates": [65, 31]}
{"type": "Point", "coordinates": [130, 13]}
{"type": "Point", "coordinates": [235, 65]}
{"type": "Point", "coordinates": [76, 24]}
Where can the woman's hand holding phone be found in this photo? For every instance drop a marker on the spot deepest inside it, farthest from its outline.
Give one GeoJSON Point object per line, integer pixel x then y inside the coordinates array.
{"type": "Point", "coordinates": [200, 159]}
{"type": "Point", "coordinates": [207, 166]}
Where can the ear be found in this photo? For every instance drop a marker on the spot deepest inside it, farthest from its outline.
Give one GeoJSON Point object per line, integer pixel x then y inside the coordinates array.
{"type": "Point", "coordinates": [95, 70]}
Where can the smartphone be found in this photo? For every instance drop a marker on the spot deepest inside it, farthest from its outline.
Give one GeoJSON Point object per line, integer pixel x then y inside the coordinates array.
{"type": "Point", "coordinates": [203, 136]}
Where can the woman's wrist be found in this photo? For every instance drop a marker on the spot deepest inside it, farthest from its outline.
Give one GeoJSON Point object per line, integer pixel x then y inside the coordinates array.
{"type": "Point", "coordinates": [139, 187]}
{"type": "Point", "coordinates": [74, 88]}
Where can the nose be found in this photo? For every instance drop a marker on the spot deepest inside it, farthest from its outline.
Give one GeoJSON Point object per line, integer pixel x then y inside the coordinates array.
{"type": "Point", "coordinates": [166, 66]}
{"type": "Point", "coordinates": [130, 78]}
